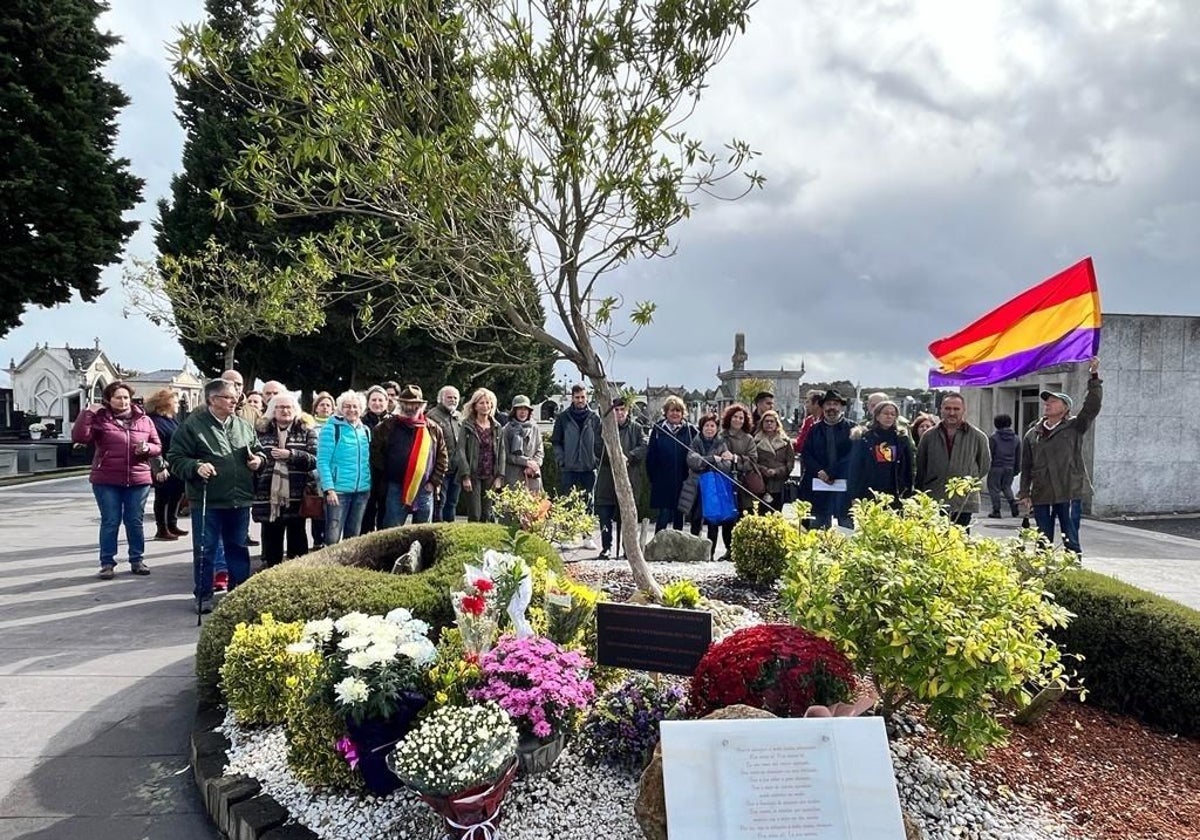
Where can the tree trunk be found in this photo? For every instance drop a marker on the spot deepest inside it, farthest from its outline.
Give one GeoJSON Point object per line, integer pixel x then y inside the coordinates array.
{"type": "Point", "coordinates": [624, 488]}
{"type": "Point", "coordinates": [230, 350]}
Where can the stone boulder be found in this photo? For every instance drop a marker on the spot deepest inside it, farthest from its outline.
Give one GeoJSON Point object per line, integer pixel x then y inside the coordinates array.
{"type": "Point", "coordinates": [651, 805]}
{"type": "Point", "coordinates": [671, 546]}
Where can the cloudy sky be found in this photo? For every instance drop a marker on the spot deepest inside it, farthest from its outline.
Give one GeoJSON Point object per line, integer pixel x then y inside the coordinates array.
{"type": "Point", "coordinates": [925, 161]}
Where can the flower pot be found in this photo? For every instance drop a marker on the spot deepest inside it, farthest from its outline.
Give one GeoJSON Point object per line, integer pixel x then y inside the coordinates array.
{"type": "Point", "coordinates": [537, 755]}
{"type": "Point", "coordinates": [374, 738]}
{"type": "Point", "coordinates": [35, 435]}
{"type": "Point", "coordinates": [474, 814]}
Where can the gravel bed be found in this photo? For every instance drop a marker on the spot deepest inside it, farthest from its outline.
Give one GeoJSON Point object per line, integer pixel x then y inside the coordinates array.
{"type": "Point", "coordinates": [579, 801]}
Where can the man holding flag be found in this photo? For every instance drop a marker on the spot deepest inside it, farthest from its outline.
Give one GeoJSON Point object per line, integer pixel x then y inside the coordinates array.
{"type": "Point", "coordinates": [1054, 478]}
{"type": "Point", "coordinates": [408, 459]}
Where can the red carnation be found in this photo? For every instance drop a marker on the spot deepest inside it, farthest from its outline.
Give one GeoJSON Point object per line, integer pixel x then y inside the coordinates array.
{"type": "Point", "coordinates": [474, 604]}
{"type": "Point", "coordinates": [484, 585]}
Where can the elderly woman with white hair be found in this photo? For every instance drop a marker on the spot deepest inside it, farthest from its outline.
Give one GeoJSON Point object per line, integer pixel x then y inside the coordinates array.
{"type": "Point", "coordinates": [344, 467]}
{"type": "Point", "coordinates": [290, 448]}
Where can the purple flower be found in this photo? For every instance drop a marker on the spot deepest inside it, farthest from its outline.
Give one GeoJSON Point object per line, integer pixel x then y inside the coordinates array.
{"type": "Point", "coordinates": [538, 683]}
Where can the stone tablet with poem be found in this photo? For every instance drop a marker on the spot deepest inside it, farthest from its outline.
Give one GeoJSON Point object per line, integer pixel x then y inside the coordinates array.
{"type": "Point", "coordinates": [785, 779]}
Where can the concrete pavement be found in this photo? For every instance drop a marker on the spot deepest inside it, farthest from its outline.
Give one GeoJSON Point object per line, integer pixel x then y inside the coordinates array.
{"type": "Point", "coordinates": [97, 689]}
{"type": "Point", "coordinates": [97, 684]}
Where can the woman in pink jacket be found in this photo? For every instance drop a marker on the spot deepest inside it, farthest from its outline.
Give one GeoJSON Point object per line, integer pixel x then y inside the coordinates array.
{"type": "Point", "coordinates": [125, 440]}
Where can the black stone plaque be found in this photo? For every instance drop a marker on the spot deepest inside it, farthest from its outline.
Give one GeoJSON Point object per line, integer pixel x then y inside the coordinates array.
{"type": "Point", "coordinates": [658, 639]}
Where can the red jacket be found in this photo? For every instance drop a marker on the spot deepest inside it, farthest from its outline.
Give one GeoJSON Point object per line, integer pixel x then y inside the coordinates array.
{"type": "Point", "coordinates": [116, 460]}
{"type": "Point", "coordinates": [802, 435]}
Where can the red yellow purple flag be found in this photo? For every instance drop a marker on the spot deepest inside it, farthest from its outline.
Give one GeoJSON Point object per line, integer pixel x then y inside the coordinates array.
{"type": "Point", "coordinates": [1056, 321]}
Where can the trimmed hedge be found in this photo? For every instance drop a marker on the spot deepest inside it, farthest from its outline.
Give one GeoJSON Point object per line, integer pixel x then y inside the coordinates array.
{"type": "Point", "coordinates": [1141, 651]}
{"type": "Point", "coordinates": [355, 575]}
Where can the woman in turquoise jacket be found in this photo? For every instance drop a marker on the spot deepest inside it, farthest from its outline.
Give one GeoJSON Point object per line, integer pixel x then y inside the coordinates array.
{"type": "Point", "coordinates": [344, 468]}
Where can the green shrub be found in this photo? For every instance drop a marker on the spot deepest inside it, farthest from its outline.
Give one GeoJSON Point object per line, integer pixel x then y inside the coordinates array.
{"type": "Point", "coordinates": [1141, 652]}
{"type": "Point", "coordinates": [313, 728]}
{"type": "Point", "coordinates": [761, 545]}
{"type": "Point", "coordinates": [681, 594]}
{"type": "Point", "coordinates": [932, 615]}
{"type": "Point", "coordinates": [355, 575]}
{"type": "Point", "coordinates": [257, 665]}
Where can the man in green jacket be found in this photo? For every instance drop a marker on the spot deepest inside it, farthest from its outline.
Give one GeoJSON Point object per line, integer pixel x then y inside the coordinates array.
{"type": "Point", "coordinates": [1054, 478]}
{"type": "Point", "coordinates": [953, 449]}
{"type": "Point", "coordinates": [216, 453]}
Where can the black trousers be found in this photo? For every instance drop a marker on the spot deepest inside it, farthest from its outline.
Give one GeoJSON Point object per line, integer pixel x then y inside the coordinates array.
{"type": "Point", "coordinates": [166, 504]}
{"type": "Point", "coordinates": [273, 533]}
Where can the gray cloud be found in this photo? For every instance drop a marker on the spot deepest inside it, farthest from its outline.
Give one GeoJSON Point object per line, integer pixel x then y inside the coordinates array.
{"type": "Point", "coordinates": [925, 163]}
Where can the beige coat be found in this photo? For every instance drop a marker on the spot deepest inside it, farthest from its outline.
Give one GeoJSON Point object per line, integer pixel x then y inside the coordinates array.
{"type": "Point", "coordinates": [971, 457]}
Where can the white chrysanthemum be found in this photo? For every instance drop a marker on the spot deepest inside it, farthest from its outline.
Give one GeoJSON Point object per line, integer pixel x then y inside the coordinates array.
{"type": "Point", "coordinates": [320, 630]}
{"type": "Point", "coordinates": [360, 660]}
{"type": "Point", "coordinates": [380, 653]}
{"type": "Point", "coordinates": [400, 615]}
{"type": "Point", "coordinates": [420, 651]}
{"type": "Point", "coordinates": [351, 623]}
{"type": "Point", "coordinates": [354, 642]}
{"type": "Point", "coordinates": [350, 691]}
{"type": "Point", "coordinates": [301, 647]}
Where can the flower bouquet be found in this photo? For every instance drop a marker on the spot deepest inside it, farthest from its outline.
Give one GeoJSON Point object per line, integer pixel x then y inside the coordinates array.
{"type": "Point", "coordinates": [475, 613]}
{"type": "Point", "coordinates": [542, 687]}
{"type": "Point", "coordinates": [460, 760]}
{"type": "Point", "coordinates": [375, 668]}
{"type": "Point", "coordinates": [622, 728]}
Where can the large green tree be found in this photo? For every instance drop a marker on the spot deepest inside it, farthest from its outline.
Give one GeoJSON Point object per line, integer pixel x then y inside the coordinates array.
{"type": "Point", "coordinates": [62, 192]}
{"type": "Point", "coordinates": [220, 118]}
{"type": "Point", "coordinates": [564, 153]}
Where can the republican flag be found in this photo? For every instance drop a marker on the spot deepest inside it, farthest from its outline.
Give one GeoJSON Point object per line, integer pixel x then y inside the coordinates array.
{"type": "Point", "coordinates": [1055, 322]}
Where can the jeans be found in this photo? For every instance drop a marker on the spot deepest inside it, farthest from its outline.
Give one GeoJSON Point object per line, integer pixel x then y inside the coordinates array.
{"type": "Point", "coordinates": [346, 517]}
{"type": "Point", "coordinates": [608, 515]}
{"type": "Point", "coordinates": [585, 480]}
{"type": "Point", "coordinates": [1068, 515]}
{"type": "Point", "coordinates": [451, 488]}
{"type": "Point", "coordinates": [396, 512]}
{"type": "Point", "coordinates": [223, 527]}
{"type": "Point", "coordinates": [119, 504]}
{"type": "Point", "coordinates": [668, 516]}
{"type": "Point", "coordinates": [826, 506]}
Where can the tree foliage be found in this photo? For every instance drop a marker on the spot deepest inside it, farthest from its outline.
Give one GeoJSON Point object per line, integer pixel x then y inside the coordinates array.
{"type": "Point", "coordinates": [221, 297]}
{"type": "Point", "coordinates": [747, 388]}
{"type": "Point", "coordinates": [478, 143]}
{"type": "Point", "coordinates": [219, 120]}
{"type": "Point", "coordinates": [62, 191]}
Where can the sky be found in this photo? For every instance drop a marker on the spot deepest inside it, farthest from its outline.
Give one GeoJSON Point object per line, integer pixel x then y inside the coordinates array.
{"type": "Point", "coordinates": [925, 161]}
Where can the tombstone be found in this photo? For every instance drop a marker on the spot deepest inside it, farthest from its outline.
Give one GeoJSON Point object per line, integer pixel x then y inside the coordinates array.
{"type": "Point", "coordinates": [410, 562]}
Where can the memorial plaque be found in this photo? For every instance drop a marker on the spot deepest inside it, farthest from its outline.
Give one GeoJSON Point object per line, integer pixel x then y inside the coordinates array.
{"type": "Point", "coordinates": [785, 779]}
{"type": "Point", "coordinates": [658, 639]}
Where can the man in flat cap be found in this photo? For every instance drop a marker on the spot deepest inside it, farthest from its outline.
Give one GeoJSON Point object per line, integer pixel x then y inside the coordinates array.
{"type": "Point", "coordinates": [1054, 478]}
{"type": "Point", "coordinates": [827, 461]}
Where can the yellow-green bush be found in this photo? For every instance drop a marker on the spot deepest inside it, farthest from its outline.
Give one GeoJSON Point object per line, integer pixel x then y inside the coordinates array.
{"type": "Point", "coordinates": [313, 728]}
{"type": "Point", "coordinates": [933, 616]}
{"type": "Point", "coordinates": [761, 545]}
{"type": "Point", "coordinates": [257, 666]}
{"type": "Point", "coordinates": [681, 594]}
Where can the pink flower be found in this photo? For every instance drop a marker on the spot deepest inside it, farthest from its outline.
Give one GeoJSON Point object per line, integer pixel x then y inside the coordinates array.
{"type": "Point", "coordinates": [348, 751]}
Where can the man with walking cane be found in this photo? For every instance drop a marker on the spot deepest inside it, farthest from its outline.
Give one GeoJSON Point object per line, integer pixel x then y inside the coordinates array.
{"type": "Point", "coordinates": [216, 453]}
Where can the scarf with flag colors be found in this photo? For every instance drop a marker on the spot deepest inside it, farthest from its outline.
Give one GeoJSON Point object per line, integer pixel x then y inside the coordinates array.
{"type": "Point", "coordinates": [1055, 322]}
{"type": "Point", "coordinates": [420, 461]}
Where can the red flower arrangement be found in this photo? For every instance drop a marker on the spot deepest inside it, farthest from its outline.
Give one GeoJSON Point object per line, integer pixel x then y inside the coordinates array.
{"type": "Point", "coordinates": [775, 667]}
{"type": "Point", "coordinates": [474, 604]}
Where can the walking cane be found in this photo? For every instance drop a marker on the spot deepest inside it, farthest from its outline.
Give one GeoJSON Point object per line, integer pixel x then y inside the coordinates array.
{"type": "Point", "coordinates": [203, 528]}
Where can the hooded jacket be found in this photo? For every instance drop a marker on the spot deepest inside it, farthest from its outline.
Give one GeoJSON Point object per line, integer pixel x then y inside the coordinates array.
{"type": "Point", "coordinates": [116, 460]}
{"type": "Point", "coordinates": [344, 456]}
{"type": "Point", "coordinates": [1006, 450]}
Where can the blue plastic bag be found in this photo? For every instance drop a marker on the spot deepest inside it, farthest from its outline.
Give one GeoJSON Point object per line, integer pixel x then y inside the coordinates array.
{"type": "Point", "coordinates": [718, 503]}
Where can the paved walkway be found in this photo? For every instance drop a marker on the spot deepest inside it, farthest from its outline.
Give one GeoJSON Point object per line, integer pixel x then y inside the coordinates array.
{"type": "Point", "coordinates": [96, 678]}
{"type": "Point", "coordinates": [97, 686]}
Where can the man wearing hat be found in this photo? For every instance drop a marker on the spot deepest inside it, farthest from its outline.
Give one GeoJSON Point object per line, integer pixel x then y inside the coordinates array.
{"type": "Point", "coordinates": [1054, 479]}
{"type": "Point", "coordinates": [827, 460]}
{"type": "Point", "coordinates": [953, 449]}
{"type": "Point", "coordinates": [523, 447]}
{"type": "Point", "coordinates": [408, 459]}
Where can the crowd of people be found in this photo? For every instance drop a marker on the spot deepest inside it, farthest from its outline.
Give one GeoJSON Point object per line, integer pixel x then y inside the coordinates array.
{"type": "Point", "coordinates": [380, 458]}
